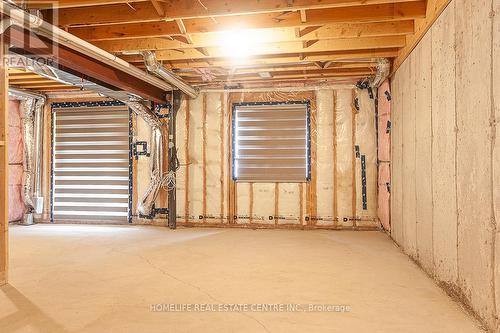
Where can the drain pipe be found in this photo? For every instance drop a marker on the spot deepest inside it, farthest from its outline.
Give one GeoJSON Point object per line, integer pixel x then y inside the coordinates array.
{"type": "Point", "coordinates": [157, 69]}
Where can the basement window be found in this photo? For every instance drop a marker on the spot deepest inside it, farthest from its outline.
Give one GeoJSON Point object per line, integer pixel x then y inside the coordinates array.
{"type": "Point", "coordinates": [271, 142]}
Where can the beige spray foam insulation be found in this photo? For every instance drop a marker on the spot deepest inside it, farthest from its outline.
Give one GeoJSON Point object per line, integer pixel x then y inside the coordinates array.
{"type": "Point", "coordinates": [366, 141]}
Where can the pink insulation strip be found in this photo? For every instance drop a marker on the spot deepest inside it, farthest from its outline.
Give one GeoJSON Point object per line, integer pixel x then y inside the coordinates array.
{"type": "Point", "coordinates": [16, 204]}
{"type": "Point", "coordinates": [384, 180]}
{"type": "Point", "coordinates": [384, 115]}
{"type": "Point", "coordinates": [384, 154]}
{"type": "Point", "coordinates": [15, 153]}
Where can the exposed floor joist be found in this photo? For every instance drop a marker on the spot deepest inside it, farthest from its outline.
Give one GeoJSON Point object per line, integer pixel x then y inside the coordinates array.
{"type": "Point", "coordinates": [375, 13]}
{"type": "Point", "coordinates": [196, 38]}
{"type": "Point", "coordinates": [144, 11]}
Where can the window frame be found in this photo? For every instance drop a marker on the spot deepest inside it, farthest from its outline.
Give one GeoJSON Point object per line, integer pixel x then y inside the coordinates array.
{"type": "Point", "coordinates": [308, 165]}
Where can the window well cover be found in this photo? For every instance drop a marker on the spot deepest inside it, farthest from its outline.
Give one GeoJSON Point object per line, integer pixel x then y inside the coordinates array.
{"type": "Point", "coordinates": [271, 142]}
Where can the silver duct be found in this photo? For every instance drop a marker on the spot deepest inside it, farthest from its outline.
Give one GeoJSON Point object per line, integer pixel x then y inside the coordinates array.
{"type": "Point", "coordinates": [157, 69]}
{"type": "Point", "coordinates": [146, 204]}
{"type": "Point", "coordinates": [32, 134]}
{"type": "Point", "coordinates": [58, 75]}
{"type": "Point", "coordinates": [383, 70]}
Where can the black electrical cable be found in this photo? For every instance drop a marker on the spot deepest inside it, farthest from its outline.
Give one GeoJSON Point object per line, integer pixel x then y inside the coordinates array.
{"type": "Point", "coordinates": [173, 163]}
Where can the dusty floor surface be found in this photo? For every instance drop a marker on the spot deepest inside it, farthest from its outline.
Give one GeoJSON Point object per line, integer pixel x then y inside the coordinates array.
{"type": "Point", "coordinates": [67, 278]}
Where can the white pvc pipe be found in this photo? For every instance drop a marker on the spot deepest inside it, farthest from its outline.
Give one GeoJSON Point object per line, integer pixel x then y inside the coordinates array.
{"type": "Point", "coordinates": [156, 68]}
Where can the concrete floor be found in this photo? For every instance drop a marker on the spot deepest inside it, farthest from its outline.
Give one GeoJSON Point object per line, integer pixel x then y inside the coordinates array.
{"type": "Point", "coordinates": [67, 278]}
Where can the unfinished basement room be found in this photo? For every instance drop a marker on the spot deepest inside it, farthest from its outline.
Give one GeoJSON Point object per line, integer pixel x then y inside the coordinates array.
{"type": "Point", "coordinates": [249, 166]}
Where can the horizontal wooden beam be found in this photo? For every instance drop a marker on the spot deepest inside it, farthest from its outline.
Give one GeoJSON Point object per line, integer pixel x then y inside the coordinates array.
{"type": "Point", "coordinates": [328, 31]}
{"type": "Point", "coordinates": [284, 48]}
{"type": "Point", "coordinates": [24, 76]}
{"type": "Point", "coordinates": [293, 58]}
{"type": "Point", "coordinates": [79, 64]}
{"type": "Point", "coordinates": [65, 88]}
{"type": "Point", "coordinates": [28, 81]}
{"type": "Point", "coordinates": [189, 9]}
{"type": "Point", "coordinates": [373, 13]}
{"type": "Point", "coordinates": [44, 4]}
{"type": "Point", "coordinates": [43, 86]}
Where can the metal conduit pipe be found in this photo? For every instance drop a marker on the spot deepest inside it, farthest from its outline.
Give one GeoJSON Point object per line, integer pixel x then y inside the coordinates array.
{"type": "Point", "coordinates": [36, 24]}
{"type": "Point", "coordinates": [23, 93]}
{"type": "Point", "coordinates": [32, 107]}
{"type": "Point", "coordinates": [146, 205]}
{"type": "Point", "coordinates": [157, 69]}
{"type": "Point", "coordinates": [32, 104]}
{"type": "Point", "coordinates": [383, 70]}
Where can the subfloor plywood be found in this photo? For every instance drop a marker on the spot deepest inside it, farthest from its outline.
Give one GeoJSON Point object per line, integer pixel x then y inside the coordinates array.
{"type": "Point", "coordinates": [106, 278]}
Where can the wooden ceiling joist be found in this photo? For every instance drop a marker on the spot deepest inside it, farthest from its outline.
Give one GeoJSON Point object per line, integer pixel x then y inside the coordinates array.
{"type": "Point", "coordinates": [374, 13]}
{"type": "Point", "coordinates": [282, 59]}
{"type": "Point", "coordinates": [328, 31]}
{"type": "Point", "coordinates": [192, 9]}
{"type": "Point", "coordinates": [282, 40]}
{"type": "Point", "coordinates": [284, 48]}
{"type": "Point", "coordinates": [158, 7]}
{"type": "Point", "coordinates": [22, 79]}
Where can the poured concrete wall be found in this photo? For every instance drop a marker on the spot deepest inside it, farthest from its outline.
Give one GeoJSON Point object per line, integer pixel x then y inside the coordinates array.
{"type": "Point", "coordinates": [445, 177]}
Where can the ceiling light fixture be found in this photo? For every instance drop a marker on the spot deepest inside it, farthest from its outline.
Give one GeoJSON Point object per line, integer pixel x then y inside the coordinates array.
{"type": "Point", "coordinates": [238, 44]}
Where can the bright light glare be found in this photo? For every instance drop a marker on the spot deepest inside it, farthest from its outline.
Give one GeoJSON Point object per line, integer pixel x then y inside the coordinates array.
{"type": "Point", "coordinates": [239, 43]}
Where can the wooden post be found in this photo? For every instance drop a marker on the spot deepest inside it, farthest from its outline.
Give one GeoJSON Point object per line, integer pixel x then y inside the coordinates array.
{"type": "Point", "coordinates": [172, 151]}
{"type": "Point", "coordinates": [4, 164]}
{"type": "Point", "coordinates": [204, 155]}
{"type": "Point", "coordinates": [353, 166]}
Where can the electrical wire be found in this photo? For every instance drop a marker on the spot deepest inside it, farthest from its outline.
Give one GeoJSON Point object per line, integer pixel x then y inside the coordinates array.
{"type": "Point", "coordinates": [168, 181]}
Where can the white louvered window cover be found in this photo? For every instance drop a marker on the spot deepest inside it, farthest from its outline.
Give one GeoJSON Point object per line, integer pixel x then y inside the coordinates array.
{"type": "Point", "coordinates": [271, 142]}
{"type": "Point", "coordinates": [91, 162]}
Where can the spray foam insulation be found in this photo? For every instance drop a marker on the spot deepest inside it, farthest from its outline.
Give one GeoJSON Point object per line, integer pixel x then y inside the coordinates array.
{"type": "Point", "coordinates": [341, 134]}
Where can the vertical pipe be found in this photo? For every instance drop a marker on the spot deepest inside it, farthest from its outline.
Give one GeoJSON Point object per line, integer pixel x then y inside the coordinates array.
{"type": "Point", "coordinates": [172, 152]}
{"type": "Point", "coordinates": [37, 168]}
